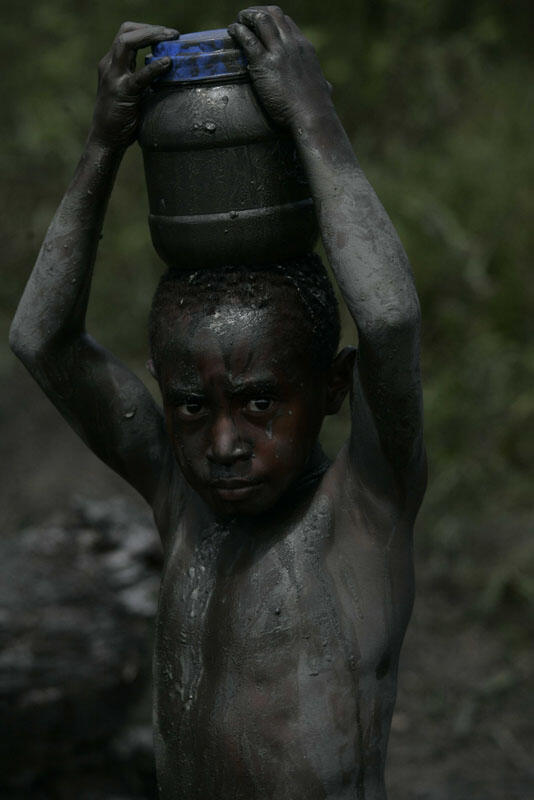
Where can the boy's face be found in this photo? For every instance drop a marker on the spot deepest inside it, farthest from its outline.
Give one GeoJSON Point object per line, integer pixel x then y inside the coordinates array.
{"type": "Point", "coordinates": [242, 405]}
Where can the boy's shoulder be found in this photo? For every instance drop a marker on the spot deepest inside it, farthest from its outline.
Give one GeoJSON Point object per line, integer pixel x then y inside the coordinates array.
{"type": "Point", "coordinates": [373, 489]}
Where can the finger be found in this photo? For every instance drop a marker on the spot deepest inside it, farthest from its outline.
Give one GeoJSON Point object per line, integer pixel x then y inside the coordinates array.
{"type": "Point", "coordinates": [293, 27]}
{"type": "Point", "coordinates": [274, 11]}
{"type": "Point", "coordinates": [143, 78]}
{"type": "Point", "coordinates": [126, 44]}
{"type": "Point", "coordinates": [247, 40]}
{"type": "Point", "coordinates": [262, 23]}
{"type": "Point", "coordinates": [285, 23]}
{"type": "Point", "coordinates": [131, 26]}
{"type": "Point", "coordinates": [287, 28]}
{"type": "Point", "coordinates": [104, 63]}
{"type": "Point", "coordinates": [281, 20]}
{"type": "Point", "coordinates": [297, 35]}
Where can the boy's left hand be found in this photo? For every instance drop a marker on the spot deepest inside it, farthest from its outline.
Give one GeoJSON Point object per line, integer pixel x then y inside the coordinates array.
{"type": "Point", "coordinates": [283, 66]}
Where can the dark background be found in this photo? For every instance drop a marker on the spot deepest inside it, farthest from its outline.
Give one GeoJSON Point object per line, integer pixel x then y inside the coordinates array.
{"type": "Point", "coordinates": [438, 99]}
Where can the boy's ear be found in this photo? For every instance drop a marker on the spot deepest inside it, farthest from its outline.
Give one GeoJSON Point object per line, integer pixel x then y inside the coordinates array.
{"type": "Point", "coordinates": [151, 368]}
{"type": "Point", "coordinates": [340, 379]}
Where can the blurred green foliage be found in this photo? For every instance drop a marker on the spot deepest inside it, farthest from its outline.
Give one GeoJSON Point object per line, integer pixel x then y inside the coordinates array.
{"type": "Point", "coordinates": [438, 98]}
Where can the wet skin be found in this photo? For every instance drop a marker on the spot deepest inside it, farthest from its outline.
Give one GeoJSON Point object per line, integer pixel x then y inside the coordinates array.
{"type": "Point", "coordinates": [242, 405]}
{"type": "Point", "coordinates": [283, 604]}
{"type": "Point", "coordinates": [284, 601]}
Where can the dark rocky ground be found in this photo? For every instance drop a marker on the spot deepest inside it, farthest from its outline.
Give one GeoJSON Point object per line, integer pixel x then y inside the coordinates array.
{"type": "Point", "coordinates": [80, 564]}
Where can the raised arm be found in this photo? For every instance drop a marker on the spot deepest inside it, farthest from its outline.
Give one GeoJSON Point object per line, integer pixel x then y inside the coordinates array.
{"type": "Point", "coordinates": [103, 401]}
{"type": "Point", "coordinates": [363, 249]}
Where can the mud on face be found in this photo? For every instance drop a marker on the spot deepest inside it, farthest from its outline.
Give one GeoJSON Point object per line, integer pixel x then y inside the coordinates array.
{"type": "Point", "coordinates": [243, 403]}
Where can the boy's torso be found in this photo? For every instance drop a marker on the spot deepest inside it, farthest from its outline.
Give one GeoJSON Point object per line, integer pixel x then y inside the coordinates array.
{"type": "Point", "coordinates": [277, 647]}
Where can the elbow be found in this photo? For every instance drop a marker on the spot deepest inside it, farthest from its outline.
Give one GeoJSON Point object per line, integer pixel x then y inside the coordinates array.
{"type": "Point", "coordinates": [397, 323]}
{"type": "Point", "coordinates": [23, 345]}
{"type": "Point", "coordinates": [20, 347]}
{"type": "Point", "coordinates": [406, 321]}
{"type": "Point", "coordinates": [17, 342]}
{"type": "Point", "coordinates": [403, 331]}
{"type": "Point", "coordinates": [35, 349]}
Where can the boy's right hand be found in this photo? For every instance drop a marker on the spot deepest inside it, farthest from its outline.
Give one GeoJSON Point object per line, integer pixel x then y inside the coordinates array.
{"type": "Point", "coordinates": [120, 86]}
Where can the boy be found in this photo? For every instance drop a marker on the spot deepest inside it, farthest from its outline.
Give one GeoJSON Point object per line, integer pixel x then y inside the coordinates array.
{"type": "Point", "coordinates": [288, 581]}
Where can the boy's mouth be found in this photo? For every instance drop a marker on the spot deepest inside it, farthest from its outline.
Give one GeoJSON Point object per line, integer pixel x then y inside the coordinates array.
{"type": "Point", "coordinates": [234, 488]}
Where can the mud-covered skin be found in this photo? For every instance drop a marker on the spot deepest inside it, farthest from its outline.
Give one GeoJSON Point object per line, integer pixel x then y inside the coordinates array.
{"type": "Point", "coordinates": [364, 251]}
{"type": "Point", "coordinates": [277, 646]}
{"type": "Point", "coordinates": [282, 612]}
{"type": "Point", "coordinates": [236, 389]}
{"type": "Point", "coordinates": [105, 403]}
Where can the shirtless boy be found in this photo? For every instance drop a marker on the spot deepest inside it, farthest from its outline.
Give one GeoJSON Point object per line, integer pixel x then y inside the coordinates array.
{"type": "Point", "coordinates": [288, 580]}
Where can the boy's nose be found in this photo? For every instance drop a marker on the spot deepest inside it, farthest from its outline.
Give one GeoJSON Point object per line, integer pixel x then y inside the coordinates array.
{"type": "Point", "coordinates": [226, 445]}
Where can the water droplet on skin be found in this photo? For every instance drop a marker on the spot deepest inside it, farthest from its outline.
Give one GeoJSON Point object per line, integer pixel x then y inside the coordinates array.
{"type": "Point", "coordinates": [131, 413]}
{"type": "Point", "coordinates": [211, 127]}
{"type": "Point", "coordinates": [73, 280]}
{"type": "Point", "coordinates": [277, 611]}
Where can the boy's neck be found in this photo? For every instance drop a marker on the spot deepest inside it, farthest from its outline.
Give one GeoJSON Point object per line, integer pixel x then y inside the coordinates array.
{"type": "Point", "coordinates": [312, 473]}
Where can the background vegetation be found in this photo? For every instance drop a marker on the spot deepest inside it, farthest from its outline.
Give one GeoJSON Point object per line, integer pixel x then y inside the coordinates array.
{"type": "Point", "coordinates": [438, 98]}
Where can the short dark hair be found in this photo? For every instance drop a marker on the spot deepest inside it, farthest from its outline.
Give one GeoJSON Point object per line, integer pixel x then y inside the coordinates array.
{"type": "Point", "coordinates": [256, 286]}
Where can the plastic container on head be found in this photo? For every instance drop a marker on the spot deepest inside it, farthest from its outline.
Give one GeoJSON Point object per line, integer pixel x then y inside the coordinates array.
{"type": "Point", "coordinates": [225, 184]}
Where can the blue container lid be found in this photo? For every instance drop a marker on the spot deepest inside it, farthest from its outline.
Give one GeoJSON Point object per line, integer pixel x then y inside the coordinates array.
{"type": "Point", "coordinates": [198, 56]}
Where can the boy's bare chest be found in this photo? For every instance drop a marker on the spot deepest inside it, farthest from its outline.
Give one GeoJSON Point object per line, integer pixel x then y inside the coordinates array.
{"type": "Point", "coordinates": [243, 600]}
{"type": "Point", "coordinates": [276, 650]}
{"type": "Point", "coordinates": [249, 619]}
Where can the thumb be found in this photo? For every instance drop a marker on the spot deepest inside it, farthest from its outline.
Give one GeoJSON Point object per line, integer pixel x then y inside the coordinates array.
{"type": "Point", "coordinates": [144, 77]}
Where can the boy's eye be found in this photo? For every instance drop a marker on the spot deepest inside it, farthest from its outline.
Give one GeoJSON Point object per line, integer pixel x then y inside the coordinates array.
{"type": "Point", "coordinates": [191, 409]}
{"type": "Point", "coordinates": [261, 404]}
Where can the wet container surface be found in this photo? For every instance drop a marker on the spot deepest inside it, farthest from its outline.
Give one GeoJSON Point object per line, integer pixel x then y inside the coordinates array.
{"type": "Point", "coordinates": [225, 185]}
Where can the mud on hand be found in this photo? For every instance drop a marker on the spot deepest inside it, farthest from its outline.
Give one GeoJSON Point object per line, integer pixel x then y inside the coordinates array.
{"type": "Point", "coordinates": [121, 86]}
{"type": "Point", "coordinates": [283, 65]}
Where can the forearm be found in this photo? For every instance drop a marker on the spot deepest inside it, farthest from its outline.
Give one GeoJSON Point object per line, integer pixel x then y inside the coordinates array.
{"type": "Point", "coordinates": [54, 303]}
{"type": "Point", "coordinates": [363, 249]}
{"type": "Point", "coordinates": [52, 310]}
